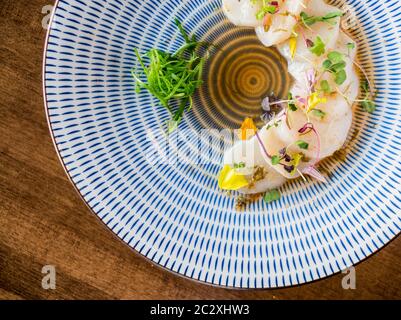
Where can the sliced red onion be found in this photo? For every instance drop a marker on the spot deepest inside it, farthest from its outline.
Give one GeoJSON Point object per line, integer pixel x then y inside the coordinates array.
{"type": "Point", "coordinates": [314, 173]}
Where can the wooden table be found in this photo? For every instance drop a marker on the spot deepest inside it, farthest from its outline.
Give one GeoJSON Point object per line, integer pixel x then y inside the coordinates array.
{"type": "Point", "coordinates": [44, 222]}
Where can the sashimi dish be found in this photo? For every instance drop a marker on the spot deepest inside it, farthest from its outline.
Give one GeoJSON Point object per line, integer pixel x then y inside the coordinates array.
{"type": "Point", "coordinates": [315, 120]}
{"type": "Point", "coordinates": [302, 129]}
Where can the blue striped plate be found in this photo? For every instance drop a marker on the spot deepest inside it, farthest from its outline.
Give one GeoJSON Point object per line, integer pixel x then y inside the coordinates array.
{"type": "Point", "coordinates": [173, 213]}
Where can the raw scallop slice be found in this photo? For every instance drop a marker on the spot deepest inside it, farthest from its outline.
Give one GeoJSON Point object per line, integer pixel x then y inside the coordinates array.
{"type": "Point", "coordinates": [243, 12]}
{"type": "Point", "coordinates": [282, 22]}
{"type": "Point", "coordinates": [250, 154]}
{"type": "Point", "coordinates": [332, 129]}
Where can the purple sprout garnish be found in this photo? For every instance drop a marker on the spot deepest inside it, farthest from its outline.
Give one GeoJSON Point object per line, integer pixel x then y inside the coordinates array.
{"type": "Point", "coordinates": [311, 79]}
{"type": "Point", "coordinates": [289, 169]}
{"type": "Point", "coordinates": [271, 106]}
{"type": "Point", "coordinates": [287, 158]}
{"type": "Point", "coordinates": [282, 152]}
{"type": "Point", "coordinates": [307, 128]}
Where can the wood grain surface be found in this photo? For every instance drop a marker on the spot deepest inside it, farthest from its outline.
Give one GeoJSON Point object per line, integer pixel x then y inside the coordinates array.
{"type": "Point", "coordinates": [43, 221]}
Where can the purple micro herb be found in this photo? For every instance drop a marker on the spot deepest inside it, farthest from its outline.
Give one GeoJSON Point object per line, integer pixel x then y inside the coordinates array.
{"type": "Point", "coordinates": [289, 169]}
{"type": "Point", "coordinates": [266, 104]}
{"type": "Point", "coordinates": [307, 128]}
{"type": "Point", "coordinates": [272, 106]}
{"type": "Point", "coordinates": [282, 152]}
{"type": "Point", "coordinates": [311, 79]}
{"type": "Point", "coordinates": [301, 100]}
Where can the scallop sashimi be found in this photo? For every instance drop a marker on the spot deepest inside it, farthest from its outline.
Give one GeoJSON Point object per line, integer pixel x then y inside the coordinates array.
{"type": "Point", "coordinates": [316, 119]}
{"type": "Point", "coordinates": [279, 24]}
{"type": "Point", "coordinates": [243, 13]}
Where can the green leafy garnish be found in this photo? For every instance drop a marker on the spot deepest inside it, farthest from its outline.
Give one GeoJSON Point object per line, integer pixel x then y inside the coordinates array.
{"type": "Point", "coordinates": [367, 104]}
{"type": "Point", "coordinates": [327, 65]}
{"type": "Point", "coordinates": [318, 113]}
{"type": "Point", "coordinates": [291, 104]}
{"type": "Point", "coordinates": [365, 86]}
{"type": "Point", "coordinates": [173, 78]}
{"type": "Point", "coordinates": [335, 64]}
{"type": "Point", "coordinates": [265, 10]}
{"type": "Point", "coordinates": [350, 46]}
{"type": "Point", "coordinates": [272, 195]}
{"type": "Point", "coordinates": [338, 66]}
{"type": "Point", "coordinates": [302, 144]}
{"type": "Point", "coordinates": [310, 20]}
{"type": "Point", "coordinates": [274, 125]}
{"type": "Point", "coordinates": [335, 57]}
{"type": "Point", "coordinates": [325, 86]}
{"type": "Point", "coordinates": [340, 77]}
{"type": "Point", "coordinates": [318, 47]}
{"type": "Point", "coordinates": [275, 160]}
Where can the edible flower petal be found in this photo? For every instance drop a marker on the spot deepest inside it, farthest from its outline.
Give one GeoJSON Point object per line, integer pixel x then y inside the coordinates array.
{"type": "Point", "coordinates": [293, 46]}
{"type": "Point", "coordinates": [230, 180]}
{"type": "Point", "coordinates": [314, 100]}
{"type": "Point", "coordinates": [296, 160]}
{"type": "Point", "coordinates": [248, 129]}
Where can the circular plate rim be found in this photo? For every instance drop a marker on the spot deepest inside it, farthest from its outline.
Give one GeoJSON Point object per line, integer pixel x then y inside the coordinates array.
{"type": "Point", "coordinates": [137, 253]}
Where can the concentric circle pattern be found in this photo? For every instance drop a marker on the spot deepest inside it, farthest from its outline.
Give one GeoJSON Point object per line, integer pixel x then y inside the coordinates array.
{"type": "Point", "coordinates": [174, 214]}
{"type": "Point", "coordinates": [237, 77]}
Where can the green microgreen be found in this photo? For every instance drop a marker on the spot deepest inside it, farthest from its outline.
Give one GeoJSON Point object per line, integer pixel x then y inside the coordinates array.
{"type": "Point", "coordinates": [318, 113]}
{"type": "Point", "coordinates": [272, 195]}
{"type": "Point", "coordinates": [267, 8]}
{"type": "Point", "coordinates": [318, 48]}
{"type": "Point", "coordinates": [310, 20]}
{"type": "Point", "coordinates": [275, 160]}
{"type": "Point", "coordinates": [275, 125]}
{"type": "Point", "coordinates": [325, 86]}
{"type": "Point", "coordinates": [172, 77]}
{"type": "Point", "coordinates": [340, 77]}
{"type": "Point", "coordinates": [367, 104]}
{"type": "Point", "coordinates": [335, 57]}
{"type": "Point", "coordinates": [302, 144]}
{"type": "Point", "coordinates": [335, 64]}
{"type": "Point", "coordinates": [291, 104]}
